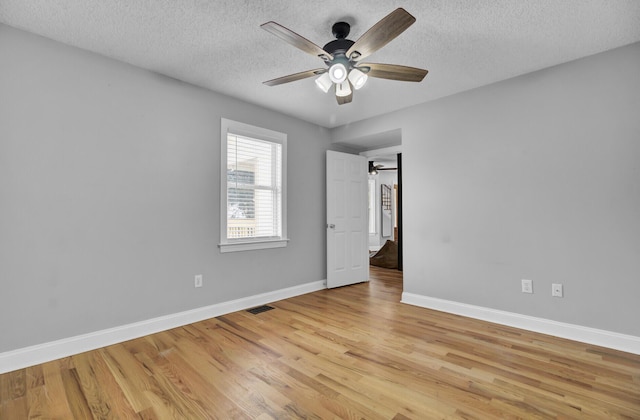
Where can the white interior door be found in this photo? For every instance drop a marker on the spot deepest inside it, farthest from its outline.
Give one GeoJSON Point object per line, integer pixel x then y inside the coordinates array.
{"type": "Point", "coordinates": [347, 224]}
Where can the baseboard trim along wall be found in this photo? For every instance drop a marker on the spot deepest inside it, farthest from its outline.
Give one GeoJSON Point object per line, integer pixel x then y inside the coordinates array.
{"type": "Point", "coordinates": [617, 341]}
{"type": "Point", "coordinates": [46, 352]}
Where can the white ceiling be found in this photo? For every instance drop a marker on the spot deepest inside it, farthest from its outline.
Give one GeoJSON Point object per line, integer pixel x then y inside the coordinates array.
{"type": "Point", "coordinates": [219, 45]}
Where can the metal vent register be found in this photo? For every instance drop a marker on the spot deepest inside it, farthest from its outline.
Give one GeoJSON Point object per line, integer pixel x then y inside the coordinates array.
{"type": "Point", "coordinates": [259, 309]}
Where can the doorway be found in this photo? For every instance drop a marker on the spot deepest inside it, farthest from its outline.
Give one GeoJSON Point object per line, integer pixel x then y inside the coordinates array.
{"type": "Point", "coordinates": [385, 207]}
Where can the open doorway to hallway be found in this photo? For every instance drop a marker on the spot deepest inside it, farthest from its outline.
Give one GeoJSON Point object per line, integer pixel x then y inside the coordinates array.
{"type": "Point", "coordinates": [385, 207]}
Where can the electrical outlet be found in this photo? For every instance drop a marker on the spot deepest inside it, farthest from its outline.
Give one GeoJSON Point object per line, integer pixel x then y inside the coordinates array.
{"type": "Point", "coordinates": [556, 290]}
{"type": "Point", "coordinates": [197, 282]}
{"type": "Point", "coordinates": [527, 286]}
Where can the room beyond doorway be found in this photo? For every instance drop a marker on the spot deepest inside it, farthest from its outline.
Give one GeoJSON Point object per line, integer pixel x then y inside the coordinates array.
{"type": "Point", "coordinates": [385, 207]}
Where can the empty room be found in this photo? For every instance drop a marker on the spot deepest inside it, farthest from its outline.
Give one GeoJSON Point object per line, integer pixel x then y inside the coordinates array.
{"type": "Point", "coordinates": [282, 210]}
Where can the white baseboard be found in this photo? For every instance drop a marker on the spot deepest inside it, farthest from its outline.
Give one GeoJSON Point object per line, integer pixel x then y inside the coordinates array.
{"type": "Point", "coordinates": [45, 352]}
{"type": "Point", "coordinates": [627, 343]}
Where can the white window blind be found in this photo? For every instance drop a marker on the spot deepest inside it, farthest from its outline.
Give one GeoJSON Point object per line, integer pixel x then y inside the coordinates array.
{"type": "Point", "coordinates": [254, 188]}
{"type": "Point", "coordinates": [253, 199]}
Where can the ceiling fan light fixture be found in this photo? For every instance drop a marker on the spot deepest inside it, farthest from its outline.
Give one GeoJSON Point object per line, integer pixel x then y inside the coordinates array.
{"type": "Point", "coordinates": [337, 73]}
{"type": "Point", "coordinates": [357, 78]}
{"type": "Point", "coordinates": [324, 82]}
{"type": "Point", "coordinates": [342, 55]}
{"type": "Point", "coordinates": [343, 89]}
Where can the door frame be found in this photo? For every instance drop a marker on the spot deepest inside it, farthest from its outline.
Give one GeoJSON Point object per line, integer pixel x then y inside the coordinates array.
{"type": "Point", "coordinates": [399, 210]}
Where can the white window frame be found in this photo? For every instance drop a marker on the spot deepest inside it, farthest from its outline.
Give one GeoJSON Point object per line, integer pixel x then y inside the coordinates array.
{"type": "Point", "coordinates": [245, 244]}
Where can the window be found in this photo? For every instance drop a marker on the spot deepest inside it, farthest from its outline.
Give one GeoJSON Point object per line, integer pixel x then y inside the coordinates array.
{"type": "Point", "coordinates": [372, 206]}
{"type": "Point", "coordinates": [253, 190]}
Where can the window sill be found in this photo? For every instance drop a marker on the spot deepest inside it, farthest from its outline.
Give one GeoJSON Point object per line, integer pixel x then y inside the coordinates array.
{"type": "Point", "coordinates": [252, 245]}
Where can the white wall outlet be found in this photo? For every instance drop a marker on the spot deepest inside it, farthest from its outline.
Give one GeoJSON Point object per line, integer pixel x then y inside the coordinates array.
{"type": "Point", "coordinates": [556, 290]}
{"type": "Point", "coordinates": [197, 281]}
{"type": "Point", "coordinates": [527, 286]}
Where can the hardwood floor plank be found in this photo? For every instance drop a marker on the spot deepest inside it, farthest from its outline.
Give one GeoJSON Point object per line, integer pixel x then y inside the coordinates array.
{"type": "Point", "coordinates": [5, 387]}
{"type": "Point", "coordinates": [36, 405]}
{"type": "Point", "coordinates": [130, 376]}
{"type": "Point", "coordinates": [195, 386]}
{"type": "Point", "coordinates": [75, 396]}
{"type": "Point", "coordinates": [105, 398]}
{"type": "Point", "coordinates": [351, 353]}
{"type": "Point", "coordinates": [328, 397]}
{"type": "Point", "coordinates": [307, 401]}
{"type": "Point", "coordinates": [175, 399]}
{"type": "Point", "coordinates": [223, 377]}
{"type": "Point", "coordinates": [55, 404]}
{"type": "Point", "coordinates": [34, 377]}
{"type": "Point", "coordinates": [370, 407]}
{"type": "Point", "coordinates": [15, 408]}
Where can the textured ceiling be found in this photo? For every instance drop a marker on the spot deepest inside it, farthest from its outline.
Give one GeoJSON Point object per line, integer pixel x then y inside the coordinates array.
{"type": "Point", "coordinates": [219, 44]}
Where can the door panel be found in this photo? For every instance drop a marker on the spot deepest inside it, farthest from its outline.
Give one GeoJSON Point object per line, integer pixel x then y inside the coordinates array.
{"type": "Point", "coordinates": [347, 235]}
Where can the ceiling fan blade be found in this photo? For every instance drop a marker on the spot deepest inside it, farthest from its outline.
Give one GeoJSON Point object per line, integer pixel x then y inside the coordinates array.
{"type": "Point", "coordinates": [296, 40]}
{"type": "Point", "coordinates": [381, 34]}
{"type": "Point", "coordinates": [395, 72]}
{"type": "Point", "coordinates": [294, 77]}
{"type": "Point", "coordinates": [344, 99]}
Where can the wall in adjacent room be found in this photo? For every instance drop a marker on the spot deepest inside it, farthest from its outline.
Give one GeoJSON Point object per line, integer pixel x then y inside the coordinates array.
{"type": "Point", "coordinates": [536, 177]}
{"type": "Point", "coordinates": [109, 195]}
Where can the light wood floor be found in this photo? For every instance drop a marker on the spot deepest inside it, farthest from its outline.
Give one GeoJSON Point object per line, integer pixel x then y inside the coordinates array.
{"type": "Point", "coordinates": [353, 352]}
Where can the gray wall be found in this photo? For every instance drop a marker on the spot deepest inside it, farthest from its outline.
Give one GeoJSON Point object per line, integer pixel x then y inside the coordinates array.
{"type": "Point", "coordinates": [536, 177]}
{"type": "Point", "coordinates": [109, 195]}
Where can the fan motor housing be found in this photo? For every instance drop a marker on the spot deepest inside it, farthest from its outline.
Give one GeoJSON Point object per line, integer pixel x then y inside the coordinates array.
{"type": "Point", "coordinates": [338, 45]}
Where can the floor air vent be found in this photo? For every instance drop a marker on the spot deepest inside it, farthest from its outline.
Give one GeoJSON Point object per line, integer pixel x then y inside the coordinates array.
{"type": "Point", "coordinates": [259, 309]}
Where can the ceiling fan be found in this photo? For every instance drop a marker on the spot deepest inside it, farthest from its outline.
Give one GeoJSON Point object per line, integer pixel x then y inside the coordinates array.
{"type": "Point", "coordinates": [342, 56]}
{"type": "Point", "coordinates": [373, 168]}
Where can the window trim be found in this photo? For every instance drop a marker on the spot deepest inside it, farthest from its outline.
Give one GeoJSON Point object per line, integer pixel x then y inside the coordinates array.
{"type": "Point", "coordinates": [243, 244]}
